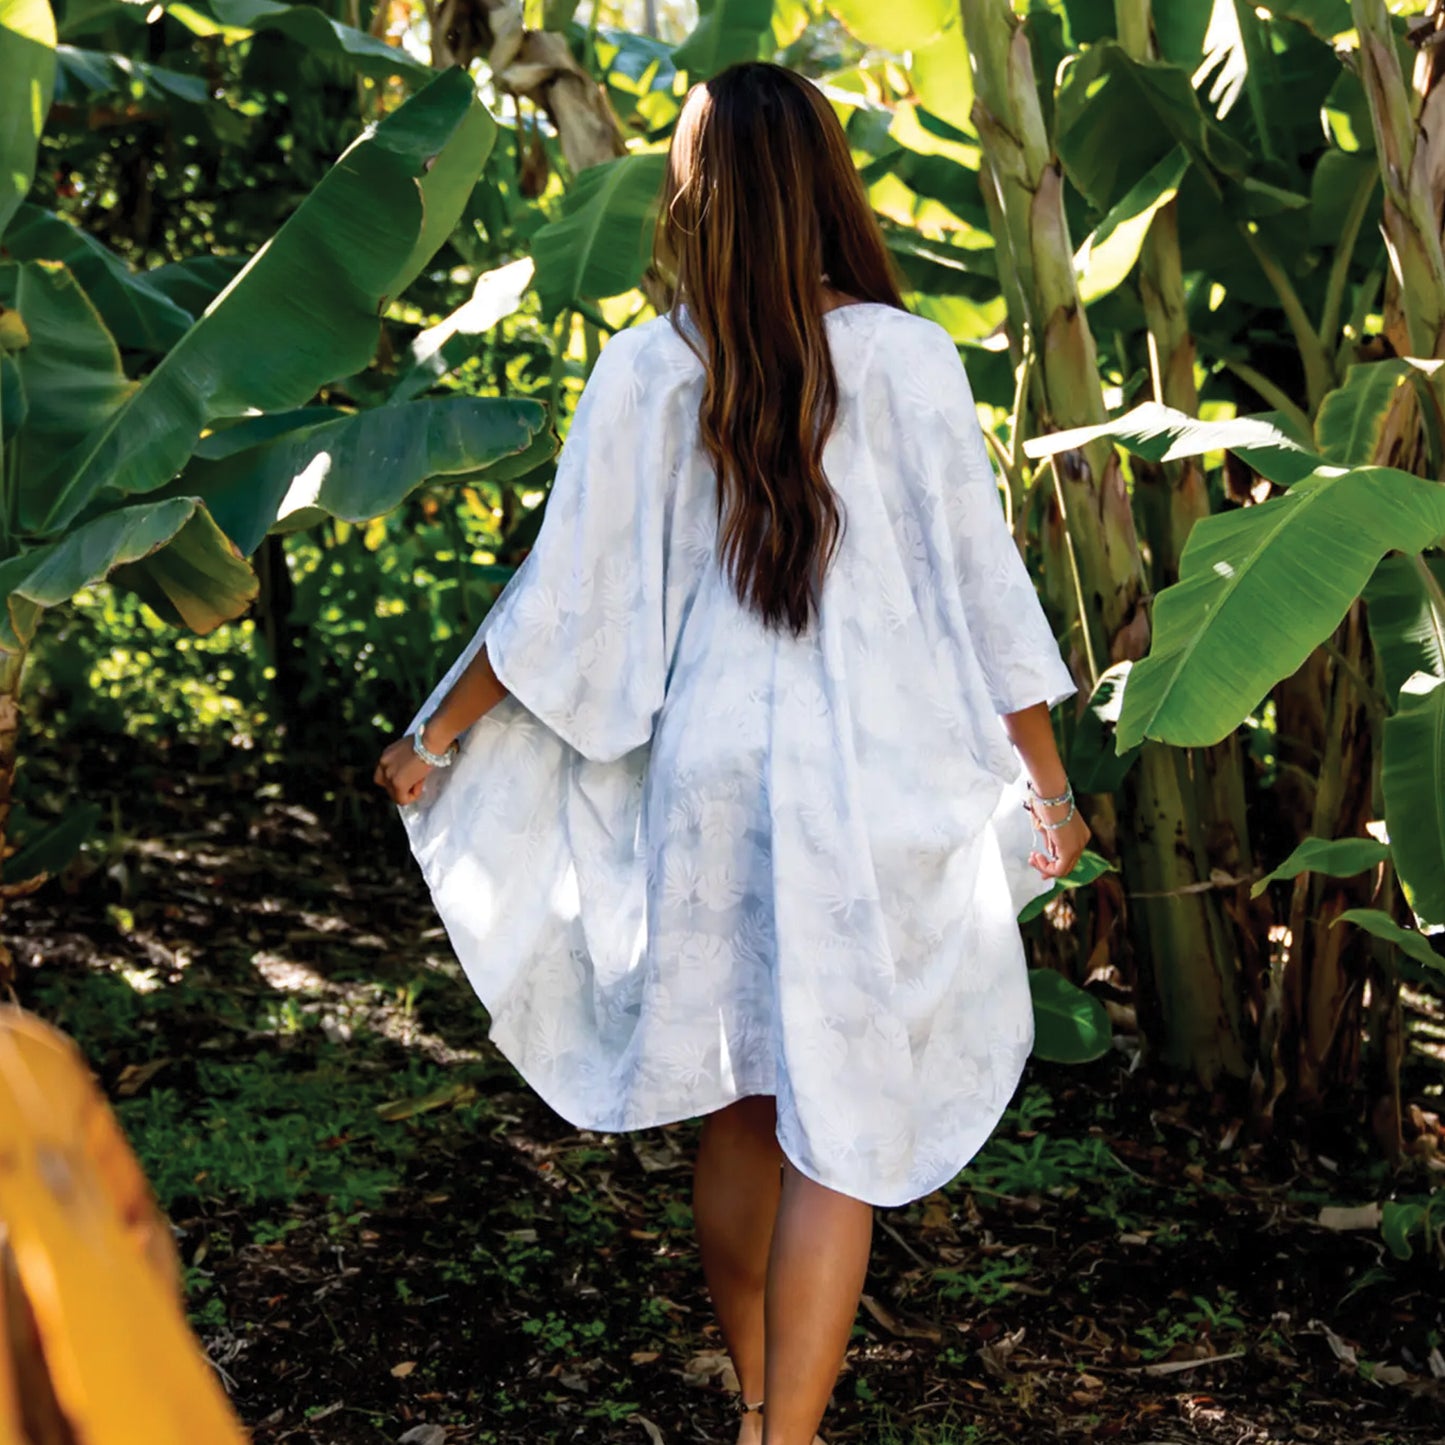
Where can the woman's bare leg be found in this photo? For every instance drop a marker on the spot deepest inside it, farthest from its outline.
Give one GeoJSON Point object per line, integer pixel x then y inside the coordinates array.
{"type": "Point", "coordinates": [816, 1269]}
{"type": "Point", "coordinates": [736, 1187]}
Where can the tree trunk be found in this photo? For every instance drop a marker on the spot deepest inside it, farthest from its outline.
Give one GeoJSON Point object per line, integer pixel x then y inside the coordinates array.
{"type": "Point", "coordinates": [1185, 968]}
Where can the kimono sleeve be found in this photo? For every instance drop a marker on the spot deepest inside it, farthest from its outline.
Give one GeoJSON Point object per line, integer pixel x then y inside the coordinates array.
{"type": "Point", "coordinates": [577, 634]}
{"type": "Point", "coordinates": [1011, 635]}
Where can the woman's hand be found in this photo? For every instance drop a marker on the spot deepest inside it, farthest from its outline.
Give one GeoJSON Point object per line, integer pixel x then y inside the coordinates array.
{"type": "Point", "coordinates": [1064, 844]}
{"type": "Point", "coordinates": [401, 771]}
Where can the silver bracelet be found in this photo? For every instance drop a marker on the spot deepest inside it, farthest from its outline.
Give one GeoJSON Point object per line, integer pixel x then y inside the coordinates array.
{"type": "Point", "coordinates": [1067, 796]}
{"type": "Point", "coordinates": [437, 760]}
{"type": "Point", "coordinates": [1067, 818]}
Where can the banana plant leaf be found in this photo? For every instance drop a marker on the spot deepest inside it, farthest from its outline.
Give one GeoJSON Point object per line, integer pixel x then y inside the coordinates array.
{"type": "Point", "coordinates": [1352, 418]}
{"type": "Point", "coordinates": [308, 26]}
{"type": "Point", "coordinates": [1160, 434]}
{"type": "Point", "coordinates": [140, 315]}
{"type": "Point", "coordinates": [726, 30]}
{"type": "Point", "coordinates": [1336, 857]}
{"type": "Point", "coordinates": [69, 371]}
{"type": "Point", "coordinates": [1259, 589]}
{"type": "Point", "coordinates": [81, 73]}
{"type": "Point", "coordinates": [304, 310]}
{"type": "Point", "coordinates": [600, 244]}
{"type": "Point", "coordinates": [1412, 776]}
{"type": "Point", "coordinates": [903, 25]}
{"type": "Point", "coordinates": [1405, 600]}
{"type": "Point", "coordinates": [1071, 1026]}
{"type": "Point", "coordinates": [27, 67]}
{"type": "Point", "coordinates": [207, 584]}
{"type": "Point", "coordinates": [355, 467]}
{"type": "Point", "coordinates": [456, 338]}
{"type": "Point", "coordinates": [1415, 945]}
{"type": "Point", "coordinates": [194, 283]}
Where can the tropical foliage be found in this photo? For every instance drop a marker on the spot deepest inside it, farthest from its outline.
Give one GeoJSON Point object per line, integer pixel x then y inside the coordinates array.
{"type": "Point", "coordinates": [1192, 255]}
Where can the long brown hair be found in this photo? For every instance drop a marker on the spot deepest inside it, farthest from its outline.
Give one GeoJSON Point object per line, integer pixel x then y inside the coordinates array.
{"type": "Point", "coordinates": [763, 207]}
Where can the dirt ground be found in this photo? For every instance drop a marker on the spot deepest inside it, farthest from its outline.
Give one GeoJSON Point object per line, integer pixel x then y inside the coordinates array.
{"type": "Point", "coordinates": [389, 1238]}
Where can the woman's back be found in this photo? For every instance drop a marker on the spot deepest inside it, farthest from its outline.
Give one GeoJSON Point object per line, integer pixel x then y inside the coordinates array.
{"type": "Point", "coordinates": [766, 841]}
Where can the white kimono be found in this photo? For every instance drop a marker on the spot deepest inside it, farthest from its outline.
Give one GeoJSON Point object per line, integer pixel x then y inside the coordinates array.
{"type": "Point", "coordinates": [690, 859]}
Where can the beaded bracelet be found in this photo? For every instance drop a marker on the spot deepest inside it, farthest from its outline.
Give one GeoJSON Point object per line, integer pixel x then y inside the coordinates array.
{"type": "Point", "coordinates": [1067, 796]}
{"type": "Point", "coordinates": [1035, 801]}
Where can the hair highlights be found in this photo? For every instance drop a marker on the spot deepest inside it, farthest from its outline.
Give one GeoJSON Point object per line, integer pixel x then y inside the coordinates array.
{"type": "Point", "coordinates": [763, 207]}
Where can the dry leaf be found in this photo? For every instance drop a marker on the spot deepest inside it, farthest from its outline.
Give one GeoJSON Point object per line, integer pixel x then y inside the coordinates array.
{"type": "Point", "coordinates": [900, 1328]}
{"type": "Point", "coordinates": [134, 1077]}
{"type": "Point", "coordinates": [1354, 1216]}
{"type": "Point", "coordinates": [711, 1365]}
{"type": "Point", "coordinates": [424, 1435]}
{"type": "Point", "coordinates": [645, 1357]}
{"type": "Point", "coordinates": [654, 1435]}
{"type": "Point", "coordinates": [448, 1095]}
{"type": "Point", "coordinates": [402, 1370]}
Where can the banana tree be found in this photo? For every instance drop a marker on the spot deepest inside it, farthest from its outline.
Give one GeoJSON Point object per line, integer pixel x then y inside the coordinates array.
{"type": "Point", "coordinates": [166, 481]}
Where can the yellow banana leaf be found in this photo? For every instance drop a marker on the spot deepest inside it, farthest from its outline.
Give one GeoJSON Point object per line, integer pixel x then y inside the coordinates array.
{"type": "Point", "coordinates": [94, 1343]}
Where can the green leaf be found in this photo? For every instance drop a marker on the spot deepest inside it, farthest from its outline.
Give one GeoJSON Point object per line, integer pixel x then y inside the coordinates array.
{"type": "Point", "coordinates": [1094, 765]}
{"type": "Point", "coordinates": [1336, 857]}
{"type": "Point", "coordinates": [83, 73]}
{"type": "Point", "coordinates": [942, 77]}
{"type": "Point", "coordinates": [1071, 1026]}
{"type": "Point", "coordinates": [49, 851]}
{"type": "Point", "coordinates": [1089, 869]}
{"type": "Point", "coordinates": [304, 310]}
{"type": "Point", "coordinates": [70, 372]}
{"type": "Point", "coordinates": [1412, 775]}
{"type": "Point", "coordinates": [1326, 18]}
{"type": "Point", "coordinates": [897, 26]}
{"type": "Point", "coordinates": [726, 31]}
{"type": "Point", "coordinates": [1407, 619]}
{"type": "Point", "coordinates": [601, 243]}
{"type": "Point", "coordinates": [1298, 561]}
{"type": "Point", "coordinates": [1351, 418]}
{"type": "Point", "coordinates": [1109, 254]}
{"type": "Point", "coordinates": [194, 284]}
{"type": "Point", "coordinates": [1160, 434]}
{"type": "Point", "coordinates": [196, 581]}
{"type": "Point", "coordinates": [440, 348]}
{"type": "Point", "coordinates": [1408, 940]}
{"type": "Point", "coordinates": [1399, 1219]}
{"type": "Point", "coordinates": [213, 585]}
{"type": "Point", "coordinates": [27, 63]}
{"type": "Point", "coordinates": [137, 312]}
{"type": "Point", "coordinates": [306, 25]}
{"type": "Point", "coordinates": [1118, 118]}
{"type": "Point", "coordinates": [356, 467]}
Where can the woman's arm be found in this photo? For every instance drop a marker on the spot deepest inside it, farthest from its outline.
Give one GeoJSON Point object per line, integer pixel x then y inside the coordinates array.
{"type": "Point", "coordinates": [478, 690]}
{"type": "Point", "coordinates": [401, 770]}
{"type": "Point", "coordinates": [1032, 735]}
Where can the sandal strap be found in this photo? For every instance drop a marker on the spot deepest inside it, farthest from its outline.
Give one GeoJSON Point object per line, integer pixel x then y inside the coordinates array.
{"type": "Point", "coordinates": [745, 1409]}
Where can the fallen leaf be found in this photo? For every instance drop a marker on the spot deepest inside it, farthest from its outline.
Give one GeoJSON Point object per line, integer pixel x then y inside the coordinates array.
{"type": "Point", "coordinates": [645, 1357]}
{"type": "Point", "coordinates": [711, 1365]}
{"type": "Point", "coordinates": [402, 1370]}
{"type": "Point", "coordinates": [900, 1328]}
{"type": "Point", "coordinates": [654, 1435]}
{"type": "Point", "coordinates": [134, 1077]}
{"type": "Point", "coordinates": [424, 1435]}
{"type": "Point", "coordinates": [1353, 1216]}
{"type": "Point", "coordinates": [448, 1095]}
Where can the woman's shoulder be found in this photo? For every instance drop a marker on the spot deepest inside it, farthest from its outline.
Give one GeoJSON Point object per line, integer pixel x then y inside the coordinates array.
{"type": "Point", "coordinates": [896, 330]}
{"type": "Point", "coordinates": [652, 349]}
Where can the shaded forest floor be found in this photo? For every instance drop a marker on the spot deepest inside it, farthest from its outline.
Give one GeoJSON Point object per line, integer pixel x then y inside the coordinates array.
{"type": "Point", "coordinates": [387, 1237]}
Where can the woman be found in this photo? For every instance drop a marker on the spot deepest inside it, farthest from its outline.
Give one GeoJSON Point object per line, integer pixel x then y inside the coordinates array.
{"type": "Point", "coordinates": [729, 823]}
